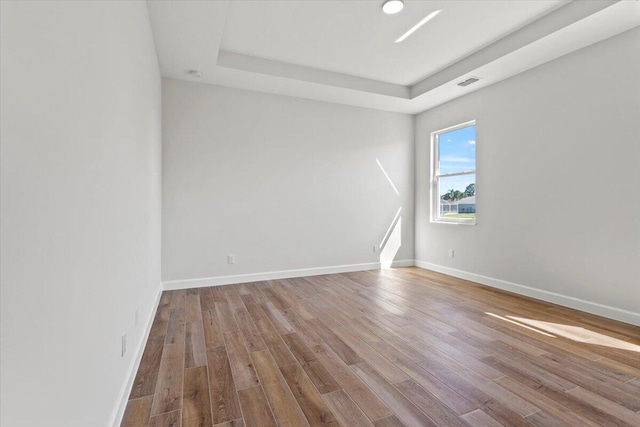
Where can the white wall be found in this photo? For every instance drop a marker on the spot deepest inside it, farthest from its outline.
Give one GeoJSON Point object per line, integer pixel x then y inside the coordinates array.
{"type": "Point", "coordinates": [558, 174]}
{"type": "Point", "coordinates": [282, 183]}
{"type": "Point", "coordinates": [80, 102]}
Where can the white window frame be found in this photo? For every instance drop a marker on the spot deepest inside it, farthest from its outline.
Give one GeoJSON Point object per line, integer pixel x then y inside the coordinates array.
{"type": "Point", "coordinates": [436, 176]}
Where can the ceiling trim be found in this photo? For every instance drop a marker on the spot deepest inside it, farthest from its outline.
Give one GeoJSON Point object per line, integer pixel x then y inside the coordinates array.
{"type": "Point", "coordinates": [297, 72]}
{"type": "Point", "coordinates": [564, 30]}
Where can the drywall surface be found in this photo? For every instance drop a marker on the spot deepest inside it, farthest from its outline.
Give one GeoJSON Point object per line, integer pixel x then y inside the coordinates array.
{"type": "Point", "coordinates": [558, 206]}
{"type": "Point", "coordinates": [80, 227]}
{"type": "Point", "coordinates": [279, 182]}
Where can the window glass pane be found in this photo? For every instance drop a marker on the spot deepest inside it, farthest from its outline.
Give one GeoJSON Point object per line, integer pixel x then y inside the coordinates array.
{"type": "Point", "coordinates": [457, 196]}
{"type": "Point", "coordinates": [457, 150]}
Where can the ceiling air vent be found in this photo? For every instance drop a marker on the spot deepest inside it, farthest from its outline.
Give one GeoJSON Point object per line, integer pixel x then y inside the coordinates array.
{"type": "Point", "coordinates": [469, 81]}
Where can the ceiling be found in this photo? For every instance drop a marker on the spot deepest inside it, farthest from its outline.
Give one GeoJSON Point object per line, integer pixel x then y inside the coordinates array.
{"type": "Point", "coordinates": [345, 51]}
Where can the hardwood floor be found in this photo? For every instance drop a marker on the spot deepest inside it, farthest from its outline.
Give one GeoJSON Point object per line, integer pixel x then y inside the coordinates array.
{"type": "Point", "coordinates": [381, 348]}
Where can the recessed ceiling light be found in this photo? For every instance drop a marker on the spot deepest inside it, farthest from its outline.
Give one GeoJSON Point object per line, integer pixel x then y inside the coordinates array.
{"type": "Point", "coordinates": [413, 29]}
{"type": "Point", "coordinates": [392, 6]}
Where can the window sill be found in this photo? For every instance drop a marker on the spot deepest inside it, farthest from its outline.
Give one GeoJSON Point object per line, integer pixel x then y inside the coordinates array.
{"type": "Point", "coordinates": [453, 222]}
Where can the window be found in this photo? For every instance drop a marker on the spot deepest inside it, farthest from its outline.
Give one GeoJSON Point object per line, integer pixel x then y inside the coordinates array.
{"type": "Point", "coordinates": [453, 177]}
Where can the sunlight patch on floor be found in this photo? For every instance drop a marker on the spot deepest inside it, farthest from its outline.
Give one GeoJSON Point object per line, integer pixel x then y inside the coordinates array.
{"type": "Point", "coordinates": [574, 333]}
{"type": "Point", "coordinates": [578, 333]}
{"type": "Point", "coordinates": [519, 324]}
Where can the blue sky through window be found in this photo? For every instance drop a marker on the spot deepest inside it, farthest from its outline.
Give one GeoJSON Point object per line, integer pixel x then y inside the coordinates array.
{"type": "Point", "coordinates": [457, 153]}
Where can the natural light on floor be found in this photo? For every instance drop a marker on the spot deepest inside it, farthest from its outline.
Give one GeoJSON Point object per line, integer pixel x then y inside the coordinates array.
{"type": "Point", "coordinates": [575, 333]}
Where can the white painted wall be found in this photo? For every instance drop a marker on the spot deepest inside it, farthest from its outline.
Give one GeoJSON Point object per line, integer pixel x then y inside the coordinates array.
{"type": "Point", "coordinates": [80, 205]}
{"type": "Point", "coordinates": [558, 175]}
{"type": "Point", "coordinates": [282, 183]}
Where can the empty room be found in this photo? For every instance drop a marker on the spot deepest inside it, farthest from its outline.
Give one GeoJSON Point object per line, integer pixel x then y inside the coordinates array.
{"type": "Point", "coordinates": [262, 213]}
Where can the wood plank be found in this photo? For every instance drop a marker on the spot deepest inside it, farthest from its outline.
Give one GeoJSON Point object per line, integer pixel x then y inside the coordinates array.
{"type": "Point", "coordinates": [590, 380]}
{"type": "Point", "coordinates": [305, 331]}
{"type": "Point", "coordinates": [479, 418]}
{"type": "Point", "coordinates": [217, 294]}
{"type": "Point", "coordinates": [275, 298]}
{"type": "Point", "coordinates": [233, 423]}
{"type": "Point", "coordinates": [224, 398]}
{"type": "Point", "coordinates": [607, 406]}
{"type": "Point", "coordinates": [336, 343]}
{"type": "Point", "coordinates": [390, 371]}
{"type": "Point", "coordinates": [195, 349]}
{"type": "Point", "coordinates": [168, 419]}
{"type": "Point", "coordinates": [345, 410]}
{"type": "Point", "coordinates": [429, 404]}
{"type": "Point", "coordinates": [391, 421]}
{"type": "Point", "coordinates": [441, 391]}
{"type": "Point", "coordinates": [278, 348]}
{"type": "Point", "coordinates": [165, 299]}
{"type": "Point", "coordinates": [253, 307]}
{"type": "Point", "coordinates": [399, 404]}
{"type": "Point", "coordinates": [310, 401]}
{"type": "Point", "coordinates": [549, 406]}
{"type": "Point", "coordinates": [542, 419]}
{"type": "Point", "coordinates": [255, 408]}
{"type": "Point", "coordinates": [225, 316]}
{"type": "Point", "coordinates": [394, 340]}
{"type": "Point", "coordinates": [176, 328]}
{"type": "Point", "coordinates": [137, 412]}
{"type": "Point", "coordinates": [160, 323]}
{"type": "Point", "coordinates": [486, 402]}
{"type": "Point", "coordinates": [206, 299]}
{"type": "Point", "coordinates": [281, 324]}
{"type": "Point", "coordinates": [529, 374]}
{"type": "Point", "coordinates": [241, 365]}
{"type": "Point", "coordinates": [362, 395]}
{"type": "Point", "coordinates": [168, 394]}
{"type": "Point", "coordinates": [211, 328]}
{"type": "Point", "coordinates": [178, 299]}
{"type": "Point", "coordinates": [145, 382]}
{"type": "Point", "coordinates": [196, 406]}
{"type": "Point", "coordinates": [298, 348]}
{"type": "Point", "coordinates": [577, 406]}
{"type": "Point", "coordinates": [285, 409]}
{"type": "Point", "coordinates": [192, 306]}
{"type": "Point", "coordinates": [319, 375]}
{"type": "Point", "coordinates": [250, 332]}
{"type": "Point", "coordinates": [479, 388]}
{"type": "Point", "coordinates": [321, 378]}
{"type": "Point", "coordinates": [436, 346]}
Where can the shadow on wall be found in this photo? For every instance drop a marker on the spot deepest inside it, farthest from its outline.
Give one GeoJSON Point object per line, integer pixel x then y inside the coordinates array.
{"type": "Point", "coordinates": [392, 239]}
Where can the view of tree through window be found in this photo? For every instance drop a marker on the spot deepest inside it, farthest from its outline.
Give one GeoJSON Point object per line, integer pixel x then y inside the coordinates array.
{"type": "Point", "coordinates": [454, 174]}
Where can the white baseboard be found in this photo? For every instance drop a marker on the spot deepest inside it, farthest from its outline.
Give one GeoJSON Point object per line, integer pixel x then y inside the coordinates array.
{"type": "Point", "coordinates": [564, 300]}
{"type": "Point", "coordinates": [172, 285]}
{"type": "Point", "coordinates": [118, 412]}
{"type": "Point", "coordinates": [403, 263]}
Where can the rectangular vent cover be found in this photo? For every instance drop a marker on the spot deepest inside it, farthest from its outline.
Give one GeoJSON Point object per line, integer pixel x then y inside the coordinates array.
{"type": "Point", "coordinates": [468, 81]}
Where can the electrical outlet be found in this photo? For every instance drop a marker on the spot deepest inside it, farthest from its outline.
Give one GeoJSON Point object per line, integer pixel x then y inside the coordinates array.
{"type": "Point", "coordinates": [137, 317]}
{"type": "Point", "coordinates": [231, 259]}
{"type": "Point", "coordinates": [451, 253]}
{"type": "Point", "coordinates": [124, 345]}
